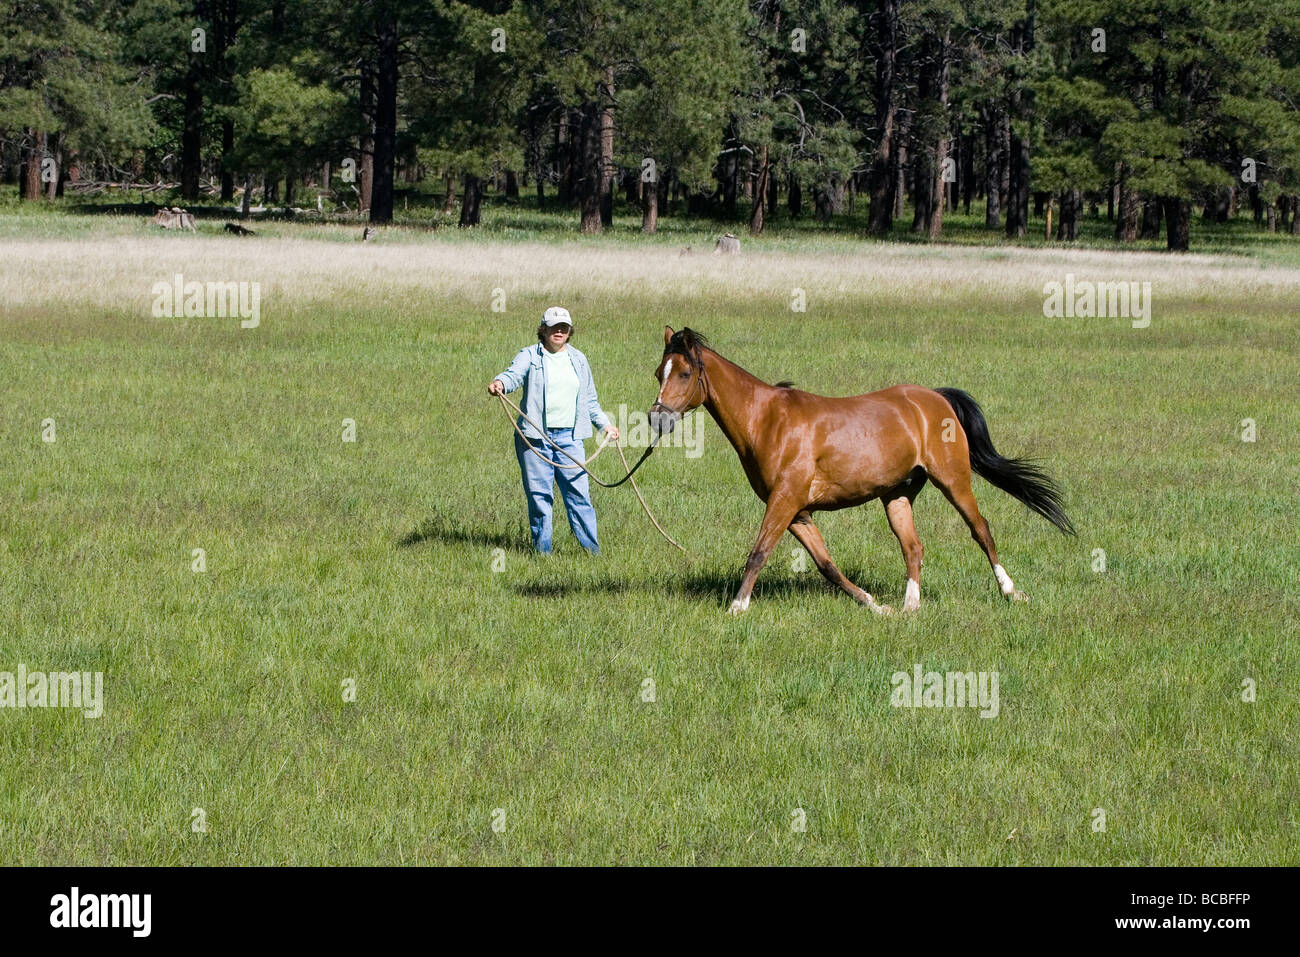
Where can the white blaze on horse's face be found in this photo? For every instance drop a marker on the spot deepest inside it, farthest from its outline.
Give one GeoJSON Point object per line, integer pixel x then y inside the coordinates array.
{"type": "Point", "coordinates": [662, 419]}
{"type": "Point", "coordinates": [663, 381]}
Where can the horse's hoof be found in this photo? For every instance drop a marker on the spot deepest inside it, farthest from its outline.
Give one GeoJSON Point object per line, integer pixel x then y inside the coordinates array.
{"type": "Point", "coordinates": [1018, 595]}
{"type": "Point", "coordinates": [737, 609]}
{"type": "Point", "coordinates": [882, 609]}
{"type": "Point", "coordinates": [911, 607]}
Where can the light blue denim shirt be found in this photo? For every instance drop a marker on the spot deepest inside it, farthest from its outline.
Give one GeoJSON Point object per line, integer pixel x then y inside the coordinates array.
{"type": "Point", "coordinates": [527, 370]}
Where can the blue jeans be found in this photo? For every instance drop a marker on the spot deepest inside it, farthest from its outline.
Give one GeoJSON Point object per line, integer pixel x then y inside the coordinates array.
{"type": "Point", "coordinates": [539, 477]}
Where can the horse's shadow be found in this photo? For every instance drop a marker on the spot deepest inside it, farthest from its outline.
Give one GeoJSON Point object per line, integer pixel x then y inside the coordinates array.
{"type": "Point", "coordinates": [722, 585]}
{"type": "Point", "coordinates": [438, 529]}
{"type": "Point", "coordinates": [716, 585]}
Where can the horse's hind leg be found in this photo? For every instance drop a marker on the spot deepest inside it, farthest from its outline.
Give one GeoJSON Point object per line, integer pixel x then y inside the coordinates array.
{"type": "Point", "coordinates": [899, 511]}
{"type": "Point", "coordinates": [956, 488]}
{"type": "Point", "coordinates": [810, 538]}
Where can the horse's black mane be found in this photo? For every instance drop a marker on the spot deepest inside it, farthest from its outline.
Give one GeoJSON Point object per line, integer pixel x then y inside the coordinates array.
{"type": "Point", "coordinates": [685, 342]}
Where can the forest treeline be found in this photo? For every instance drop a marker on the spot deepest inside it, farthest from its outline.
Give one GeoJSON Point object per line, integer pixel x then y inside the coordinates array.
{"type": "Point", "coordinates": [1156, 110]}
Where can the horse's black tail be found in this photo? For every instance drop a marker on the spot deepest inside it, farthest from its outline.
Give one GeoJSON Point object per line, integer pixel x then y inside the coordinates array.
{"type": "Point", "coordinates": [1019, 478]}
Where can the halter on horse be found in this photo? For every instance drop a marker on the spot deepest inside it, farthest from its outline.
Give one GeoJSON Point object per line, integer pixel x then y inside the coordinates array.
{"type": "Point", "coordinates": [805, 453]}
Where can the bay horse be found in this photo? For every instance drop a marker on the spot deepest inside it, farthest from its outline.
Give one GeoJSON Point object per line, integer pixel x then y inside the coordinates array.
{"type": "Point", "coordinates": [805, 453]}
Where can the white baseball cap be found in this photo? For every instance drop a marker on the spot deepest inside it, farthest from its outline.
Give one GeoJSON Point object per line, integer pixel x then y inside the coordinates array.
{"type": "Point", "coordinates": [556, 315]}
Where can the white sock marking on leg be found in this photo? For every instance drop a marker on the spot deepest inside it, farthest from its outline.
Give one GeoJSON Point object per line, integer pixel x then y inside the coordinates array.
{"type": "Point", "coordinates": [1004, 580]}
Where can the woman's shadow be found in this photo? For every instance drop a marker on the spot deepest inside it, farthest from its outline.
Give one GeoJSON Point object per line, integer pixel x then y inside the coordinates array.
{"type": "Point", "coordinates": [438, 528]}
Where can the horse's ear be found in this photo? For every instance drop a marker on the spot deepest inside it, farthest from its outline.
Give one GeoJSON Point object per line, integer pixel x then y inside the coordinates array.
{"type": "Point", "coordinates": [668, 335]}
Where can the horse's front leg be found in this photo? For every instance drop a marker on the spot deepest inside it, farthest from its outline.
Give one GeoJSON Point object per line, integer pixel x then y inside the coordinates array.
{"type": "Point", "coordinates": [781, 510]}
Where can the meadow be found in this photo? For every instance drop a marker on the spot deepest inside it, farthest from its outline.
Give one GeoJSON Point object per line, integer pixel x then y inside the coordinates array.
{"type": "Point", "coordinates": [1152, 675]}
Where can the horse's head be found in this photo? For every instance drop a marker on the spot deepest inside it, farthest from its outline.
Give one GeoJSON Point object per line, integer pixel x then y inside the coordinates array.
{"type": "Point", "coordinates": [683, 383]}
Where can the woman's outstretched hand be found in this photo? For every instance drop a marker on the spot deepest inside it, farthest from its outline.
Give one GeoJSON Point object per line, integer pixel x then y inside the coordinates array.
{"type": "Point", "coordinates": [612, 432]}
{"type": "Point", "coordinates": [496, 388]}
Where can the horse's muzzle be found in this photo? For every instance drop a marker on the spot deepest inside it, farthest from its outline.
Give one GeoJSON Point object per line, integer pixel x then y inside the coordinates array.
{"type": "Point", "coordinates": [662, 421]}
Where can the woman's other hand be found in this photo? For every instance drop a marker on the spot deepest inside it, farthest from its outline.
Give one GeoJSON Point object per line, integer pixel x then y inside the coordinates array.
{"type": "Point", "coordinates": [496, 388]}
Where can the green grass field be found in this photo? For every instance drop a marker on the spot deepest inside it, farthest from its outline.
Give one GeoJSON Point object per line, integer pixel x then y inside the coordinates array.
{"type": "Point", "coordinates": [522, 689]}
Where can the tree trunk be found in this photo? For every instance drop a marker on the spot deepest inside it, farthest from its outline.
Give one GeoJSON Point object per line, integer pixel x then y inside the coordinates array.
{"type": "Point", "coordinates": [649, 207]}
{"type": "Point", "coordinates": [29, 173]}
{"type": "Point", "coordinates": [828, 200]}
{"type": "Point", "coordinates": [727, 175]}
{"type": "Point", "coordinates": [590, 174]}
{"type": "Point", "coordinates": [1295, 215]}
{"type": "Point", "coordinates": [1151, 210]}
{"type": "Point", "coordinates": [192, 132]}
{"type": "Point", "coordinates": [794, 197]}
{"type": "Point", "coordinates": [921, 188]}
{"type": "Point", "coordinates": [900, 175]}
{"type": "Point", "coordinates": [1178, 217]}
{"type": "Point", "coordinates": [607, 149]}
{"type": "Point", "coordinates": [1272, 218]}
{"type": "Point", "coordinates": [880, 180]}
{"type": "Point", "coordinates": [381, 199]}
{"type": "Point", "coordinates": [967, 171]}
{"type": "Point", "coordinates": [52, 144]}
{"type": "Point", "coordinates": [760, 194]}
{"type": "Point", "coordinates": [1017, 205]}
{"type": "Point", "coordinates": [512, 184]}
{"type": "Point", "coordinates": [1004, 161]}
{"type": "Point", "coordinates": [247, 199]}
{"type": "Point", "coordinates": [939, 189]}
{"type": "Point", "coordinates": [226, 24]}
{"type": "Point", "coordinates": [1018, 193]}
{"type": "Point", "coordinates": [1130, 204]}
{"type": "Point", "coordinates": [1017, 198]}
{"type": "Point", "coordinates": [1071, 205]}
{"type": "Point", "coordinates": [564, 186]}
{"type": "Point", "coordinates": [469, 205]}
{"type": "Point", "coordinates": [367, 170]}
{"type": "Point", "coordinates": [992, 168]}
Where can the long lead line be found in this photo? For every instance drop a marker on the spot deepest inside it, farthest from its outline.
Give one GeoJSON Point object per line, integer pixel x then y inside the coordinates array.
{"type": "Point", "coordinates": [507, 405]}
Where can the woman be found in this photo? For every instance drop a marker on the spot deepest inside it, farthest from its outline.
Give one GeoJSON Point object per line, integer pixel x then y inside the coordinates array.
{"type": "Point", "coordinates": [561, 397]}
